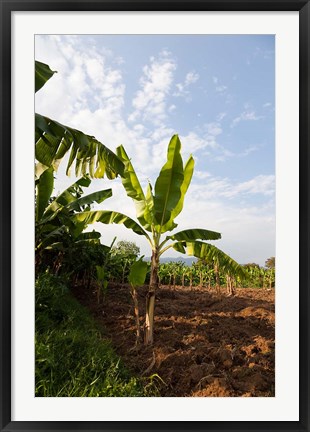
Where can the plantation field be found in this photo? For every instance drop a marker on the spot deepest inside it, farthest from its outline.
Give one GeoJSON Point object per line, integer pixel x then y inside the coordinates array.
{"type": "Point", "coordinates": [204, 345]}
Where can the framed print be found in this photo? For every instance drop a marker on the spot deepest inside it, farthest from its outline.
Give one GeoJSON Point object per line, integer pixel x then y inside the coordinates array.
{"type": "Point", "coordinates": [157, 278]}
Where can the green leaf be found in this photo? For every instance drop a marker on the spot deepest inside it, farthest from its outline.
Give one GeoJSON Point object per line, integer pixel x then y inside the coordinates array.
{"type": "Point", "coordinates": [53, 236]}
{"type": "Point", "coordinates": [188, 174]}
{"type": "Point", "coordinates": [86, 200]}
{"type": "Point", "coordinates": [195, 234]}
{"type": "Point", "coordinates": [211, 254]}
{"type": "Point", "coordinates": [67, 197]}
{"type": "Point", "coordinates": [100, 273]}
{"type": "Point", "coordinates": [109, 217]}
{"type": "Point", "coordinates": [44, 191]}
{"type": "Point", "coordinates": [53, 140]}
{"type": "Point", "coordinates": [130, 180]}
{"type": "Point", "coordinates": [91, 235]}
{"type": "Point", "coordinates": [42, 74]}
{"type": "Point", "coordinates": [87, 241]}
{"type": "Point", "coordinates": [180, 247]}
{"type": "Point", "coordinates": [168, 185]}
{"type": "Point", "coordinates": [149, 213]}
{"type": "Point", "coordinates": [138, 272]}
{"type": "Point", "coordinates": [134, 190]}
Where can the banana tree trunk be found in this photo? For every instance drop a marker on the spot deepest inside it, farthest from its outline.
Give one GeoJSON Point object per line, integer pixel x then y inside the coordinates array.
{"type": "Point", "coordinates": [150, 300]}
{"type": "Point", "coordinates": [134, 296]}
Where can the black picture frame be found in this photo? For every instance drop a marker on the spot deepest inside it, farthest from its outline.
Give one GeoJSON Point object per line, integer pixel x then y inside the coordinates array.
{"type": "Point", "coordinates": [7, 7]}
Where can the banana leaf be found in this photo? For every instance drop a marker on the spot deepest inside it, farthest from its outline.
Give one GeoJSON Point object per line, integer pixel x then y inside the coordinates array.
{"type": "Point", "coordinates": [42, 74]}
{"type": "Point", "coordinates": [211, 254]}
{"type": "Point", "coordinates": [168, 185]}
{"type": "Point", "coordinates": [53, 140]}
{"type": "Point", "coordinates": [109, 217]}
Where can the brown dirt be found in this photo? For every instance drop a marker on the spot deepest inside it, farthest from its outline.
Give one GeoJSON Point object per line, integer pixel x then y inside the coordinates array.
{"type": "Point", "coordinates": [204, 345]}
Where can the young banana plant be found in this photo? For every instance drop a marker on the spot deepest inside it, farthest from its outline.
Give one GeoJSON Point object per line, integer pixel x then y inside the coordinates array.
{"type": "Point", "coordinates": [136, 278]}
{"type": "Point", "coordinates": [102, 282]}
{"type": "Point", "coordinates": [156, 212]}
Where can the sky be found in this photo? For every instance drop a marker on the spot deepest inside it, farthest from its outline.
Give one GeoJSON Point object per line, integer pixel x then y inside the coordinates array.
{"type": "Point", "coordinates": [217, 92]}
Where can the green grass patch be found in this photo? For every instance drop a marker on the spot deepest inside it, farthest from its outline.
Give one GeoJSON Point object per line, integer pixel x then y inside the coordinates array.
{"type": "Point", "coordinates": [72, 358]}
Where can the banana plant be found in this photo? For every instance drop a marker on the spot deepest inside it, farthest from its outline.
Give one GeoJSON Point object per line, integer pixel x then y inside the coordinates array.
{"type": "Point", "coordinates": [137, 275]}
{"type": "Point", "coordinates": [53, 216]}
{"type": "Point", "coordinates": [102, 282]}
{"type": "Point", "coordinates": [54, 140]}
{"type": "Point", "coordinates": [156, 212]}
{"type": "Point", "coordinates": [102, 275]}
{"type": "Point", "coordinates": [270, 276]}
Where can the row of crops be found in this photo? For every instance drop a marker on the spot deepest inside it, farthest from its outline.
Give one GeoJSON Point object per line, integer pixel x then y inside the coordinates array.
{"type": "Point", "coordinates": [203, 274]}
{"type": "Point", "coordinates": [94, 263]}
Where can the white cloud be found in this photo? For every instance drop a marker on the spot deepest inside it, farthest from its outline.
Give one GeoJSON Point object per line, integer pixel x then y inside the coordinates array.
{"type": "Point", "coordinates": [247, 115]}
{"type": "Point", "coordinates": [201, 175]}
{"type": "Point", "coordinates": [190, 78]}
{"type": "Point", "coordinates": [262, 184]}
{"type": "Point", "coordinates": [248, 151]}
{"type": "Point", "coordinates": [220, 88]}
{"type": "Point", "coordinates": [224, 154]}
{"type": "Point", "coordinates": [214, 128]}
{"type": "Point", "coordinates": [100, 88]}
{"type": "Point", "coordinates": [220, 116]}
{"type": "Point", "coordinates": [248, 231]}
{"type": "Point", "coordinates": [264, 53]}
{"type": "Point", "coordinates": [260, 53]}
{"type": "Point", "coordinates": [191, 143]}
{"type": "Point", "coordinates": [222, 187]}
{"type": "Point", "coordinates": [150, 101]}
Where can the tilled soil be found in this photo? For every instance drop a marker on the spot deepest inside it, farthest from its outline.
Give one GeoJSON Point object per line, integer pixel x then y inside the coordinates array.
{"type": "Point", "coordinates": [204, 344]}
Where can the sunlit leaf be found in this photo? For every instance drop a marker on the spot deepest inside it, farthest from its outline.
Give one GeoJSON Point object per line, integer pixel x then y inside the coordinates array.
{"type": "Point", "coordinates": [134, 190]}
{"type": "Point", "coordinates": [109, 217]}
{"type": "Point", "coordinates": [53, 140]}
{"type": "Point", "coordinates": [195, 234]}
{"type": "Point", "coordinates": [188, 173]}
{"type": "Point", "coordinates": [168, 184]}
{"type": "Point", "coordinates": [211, 254]}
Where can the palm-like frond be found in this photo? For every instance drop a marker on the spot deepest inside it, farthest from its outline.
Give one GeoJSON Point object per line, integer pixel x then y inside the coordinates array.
{"type": "Point", "coordinates": [211, 254]}
{"type": "Point", "coordinates": [54, 140]}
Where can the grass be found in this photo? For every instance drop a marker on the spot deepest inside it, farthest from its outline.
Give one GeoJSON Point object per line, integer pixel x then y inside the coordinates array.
{"type": "Point", "coordinates": [72, 358]}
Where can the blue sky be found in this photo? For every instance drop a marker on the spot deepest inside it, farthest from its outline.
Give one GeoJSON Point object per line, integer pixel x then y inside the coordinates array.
{"type": "Point", "coordinates": [216, 91]}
